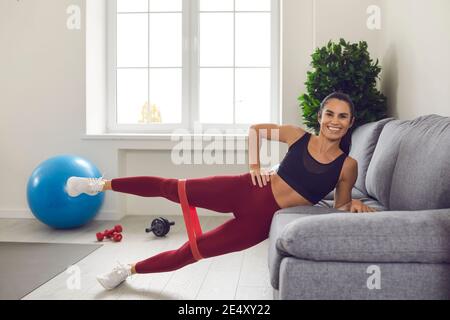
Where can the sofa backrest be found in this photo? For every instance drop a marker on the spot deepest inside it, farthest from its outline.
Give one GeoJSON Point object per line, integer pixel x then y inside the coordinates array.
{"type": "Point", "coordinates": [364, 141]}
{"type": "Point", "coordinates": [410, 167]}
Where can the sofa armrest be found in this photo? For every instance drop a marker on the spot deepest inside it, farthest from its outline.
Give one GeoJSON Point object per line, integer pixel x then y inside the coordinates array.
{"type": "Point", "coordinates": [390, 236]}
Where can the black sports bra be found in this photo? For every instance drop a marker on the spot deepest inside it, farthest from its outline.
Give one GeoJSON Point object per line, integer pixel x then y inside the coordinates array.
{"type": "Point", "coordinates": [310, 178]}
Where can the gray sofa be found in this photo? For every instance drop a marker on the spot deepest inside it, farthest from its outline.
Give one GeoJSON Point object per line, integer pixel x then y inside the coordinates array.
{"type": "Point", "coordinates": [400, 252]}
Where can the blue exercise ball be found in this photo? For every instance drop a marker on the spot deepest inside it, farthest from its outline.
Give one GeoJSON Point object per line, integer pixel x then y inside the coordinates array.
{"type": "Point", "coordinates": [47, 196]}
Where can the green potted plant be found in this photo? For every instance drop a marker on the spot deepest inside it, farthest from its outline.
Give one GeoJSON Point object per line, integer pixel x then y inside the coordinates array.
{"type": "Point", "coordinates": [348, 68]}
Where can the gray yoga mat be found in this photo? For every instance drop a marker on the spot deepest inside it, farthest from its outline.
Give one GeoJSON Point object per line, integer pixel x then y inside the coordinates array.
{"type": "Point", "coordinates": [25, 267]}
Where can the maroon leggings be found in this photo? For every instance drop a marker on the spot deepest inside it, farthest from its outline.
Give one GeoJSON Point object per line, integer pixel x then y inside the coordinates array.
{"type": "Point", "coordinates": [252, 206]}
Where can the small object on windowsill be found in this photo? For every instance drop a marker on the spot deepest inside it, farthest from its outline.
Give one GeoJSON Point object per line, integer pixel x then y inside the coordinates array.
{"type": "Point", "coordinates": [155, 114]}
{"type": "Point", "coordinates": [150, 114]}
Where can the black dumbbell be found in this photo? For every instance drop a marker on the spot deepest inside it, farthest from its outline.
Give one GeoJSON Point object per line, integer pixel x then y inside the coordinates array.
{"type": "Point", "coordinates": [160, 227]}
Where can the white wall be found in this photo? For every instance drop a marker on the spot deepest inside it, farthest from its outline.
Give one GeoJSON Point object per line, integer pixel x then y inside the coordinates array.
{"type": "Point", "coordinates": [297, 46]}
{"type": "Point", "coordinates": [416, 51]}
{"type": "Point", "coordinates": [412, 46]}
{"type": "Point", "coordinates": [345, 19]}
{"type": "Point", "coordinates": [42, 93]}
{"type": "Point", "coordinates": [42, 88]}
{"type": "Point", "coordinates": [308, 24]}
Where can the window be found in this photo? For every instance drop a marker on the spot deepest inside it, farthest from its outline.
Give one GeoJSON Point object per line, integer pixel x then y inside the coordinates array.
{"type": "Point", "coordinates": [177, 63]}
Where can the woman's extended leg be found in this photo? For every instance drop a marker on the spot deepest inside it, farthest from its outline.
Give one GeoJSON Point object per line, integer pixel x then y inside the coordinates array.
{"type": "Point", "coordinates": [216, 193]}
{"type": "Point", "coordinates": [232, 236]}
{"type": "Point", "coordinates": [254, 209]}
{"type": "Point", "coordinates": [254, 217]}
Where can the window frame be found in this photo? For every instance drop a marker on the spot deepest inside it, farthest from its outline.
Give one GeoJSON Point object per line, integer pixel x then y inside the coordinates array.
{"type": "Point", "coordinates": [190, 76]}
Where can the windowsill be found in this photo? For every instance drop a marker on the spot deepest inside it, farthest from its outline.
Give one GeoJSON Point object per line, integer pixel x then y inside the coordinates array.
{"type": "Point", "coordinates": [167, 142]}
{"type": "Point", "coordinates": [161, 136]}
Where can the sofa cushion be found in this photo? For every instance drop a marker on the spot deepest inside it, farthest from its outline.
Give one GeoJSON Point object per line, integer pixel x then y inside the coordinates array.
{"type": "Point", "coordinates": [364, 141]}
{"type": "Point", "coordinates": [410, 168]}
{"type": "Point", "coordinates": [394, 236]}
{"type": "Point", "coordinates": [280, 220]}
{"type": "Point", "coordinates": [324, 280]}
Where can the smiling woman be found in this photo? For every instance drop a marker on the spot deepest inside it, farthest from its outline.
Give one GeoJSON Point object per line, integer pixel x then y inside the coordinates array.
{"type": "Point", "coordinates": [315, 165]}
{"type": "Point", "coordinates": [345, 118]}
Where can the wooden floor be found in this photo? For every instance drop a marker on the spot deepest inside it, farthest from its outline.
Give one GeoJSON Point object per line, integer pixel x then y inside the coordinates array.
{"type": "Point", "coordinates": [241, 275]}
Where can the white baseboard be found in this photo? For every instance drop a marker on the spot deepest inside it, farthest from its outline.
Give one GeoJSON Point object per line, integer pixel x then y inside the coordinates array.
{"type": "Point", "coordinates": [26, 214]}
{"type": "Point", "coordinates": [102, 216]}
{"type": "Point", "coordinates": [15, 214]}
{"type": "Point", "coordinates": [109, 215]}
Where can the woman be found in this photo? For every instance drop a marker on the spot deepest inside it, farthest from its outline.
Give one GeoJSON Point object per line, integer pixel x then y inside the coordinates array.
{"type": "Point", "coordinates": [312, 168]}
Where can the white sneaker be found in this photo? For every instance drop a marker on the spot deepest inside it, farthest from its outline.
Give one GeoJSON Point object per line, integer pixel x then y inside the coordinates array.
{"type": "Point", "coordinates": [91, 186]}
{"type": "Point", "coordinates": [112, 279]}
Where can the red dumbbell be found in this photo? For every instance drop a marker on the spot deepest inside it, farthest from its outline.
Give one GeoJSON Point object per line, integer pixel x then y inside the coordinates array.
{"type": "Point", "coordinates": [117, 237]}
{"type": "Point", "coordinates": [113, 234]}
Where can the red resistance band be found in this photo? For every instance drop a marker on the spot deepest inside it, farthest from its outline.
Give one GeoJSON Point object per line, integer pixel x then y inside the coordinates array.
{"type": "Point", "coordinates": [193, 227]}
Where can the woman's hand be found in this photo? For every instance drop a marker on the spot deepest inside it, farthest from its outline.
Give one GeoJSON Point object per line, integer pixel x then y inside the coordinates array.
{"type": "Point", "coordinates": [260, 176]}
{"type": "Point", "coordinates": [359, 207]}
